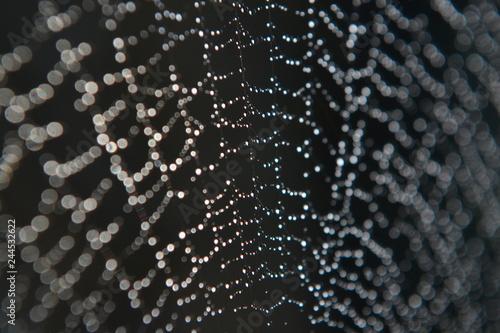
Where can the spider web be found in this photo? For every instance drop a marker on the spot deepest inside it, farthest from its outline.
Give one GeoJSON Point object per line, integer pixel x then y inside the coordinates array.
{"type": "Point", "coordinates": [253, 166]}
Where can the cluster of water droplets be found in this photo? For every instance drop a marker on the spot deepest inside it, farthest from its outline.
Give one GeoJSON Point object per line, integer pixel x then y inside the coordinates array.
{"type": "Point", "coordinates": [309, 166]}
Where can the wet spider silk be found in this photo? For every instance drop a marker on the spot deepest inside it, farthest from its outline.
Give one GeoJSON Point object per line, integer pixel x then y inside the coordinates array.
{"type": "Point", "coordinates": [252, 166]}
